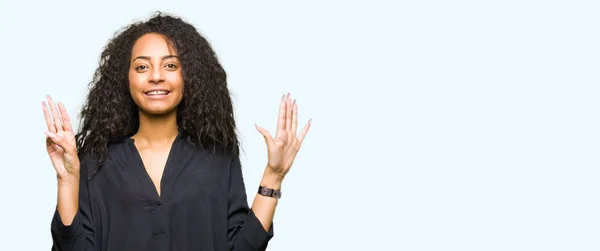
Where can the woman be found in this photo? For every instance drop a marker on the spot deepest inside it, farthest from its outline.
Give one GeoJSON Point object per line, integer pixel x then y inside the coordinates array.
{"type": "Point", "coordinates": [156, 165]}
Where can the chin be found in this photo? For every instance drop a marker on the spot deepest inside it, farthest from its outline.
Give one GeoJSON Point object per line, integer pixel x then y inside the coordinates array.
{"type": "Point", "coordinates": [158, 110]}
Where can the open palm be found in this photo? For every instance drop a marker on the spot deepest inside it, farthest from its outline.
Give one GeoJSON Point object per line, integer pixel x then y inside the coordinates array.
{"type": "Point", "coordinates": [60, 140]}
{"type": "Point", "coordinates": [282, 149]}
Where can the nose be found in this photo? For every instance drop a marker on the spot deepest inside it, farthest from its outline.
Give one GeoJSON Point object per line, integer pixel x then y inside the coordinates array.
{"type": "Point", "coordinates": [157, 75]}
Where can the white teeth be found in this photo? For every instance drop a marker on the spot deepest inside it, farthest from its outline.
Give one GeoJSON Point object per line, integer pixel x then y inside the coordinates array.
{"type": "Point", "coordinates": [157, 93]}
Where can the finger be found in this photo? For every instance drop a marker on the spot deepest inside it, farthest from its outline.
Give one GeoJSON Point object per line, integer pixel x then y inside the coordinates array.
{"type": "Point", "coordinates": [265, 134]}
{"type": "Point", "coordinates": [48, 118]}
{"type": "Point", "coordinates": [66, 121]}
{"type": "Point", "coordinates": [55, 115]}
{"type": "Point", "coordinates": [294, 117]}
{"type": "Point", "coordinates": [304, 132]}
{"type": "Point", "coordinates": [288, 113]}
{"type": "Point", "coordinates": [281, 116]}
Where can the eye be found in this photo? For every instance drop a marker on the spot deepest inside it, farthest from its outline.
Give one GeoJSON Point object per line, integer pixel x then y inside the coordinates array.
{"type": "Point", "coordinates": [171, 66]}
{"type": "Point", "coordinates": [141, 67]}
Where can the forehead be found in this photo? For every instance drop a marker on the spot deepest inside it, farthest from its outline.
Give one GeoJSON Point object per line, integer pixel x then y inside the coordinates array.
{"type": "Point", "coordinates": [152, 44]}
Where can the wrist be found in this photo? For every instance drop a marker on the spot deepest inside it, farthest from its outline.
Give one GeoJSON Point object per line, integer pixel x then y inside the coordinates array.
{"type": "Point", "coordinates": [271, 180]}
{"type": "Point", "coordinates": [69, 181]}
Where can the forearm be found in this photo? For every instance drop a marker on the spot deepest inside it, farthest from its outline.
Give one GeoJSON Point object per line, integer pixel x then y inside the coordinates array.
{"type": "Point", "coordinates": [263, 206]}
{"type": "Point", "coordinates": [72, 226]}
{"type": "Point", "coordinates": [68, 199]}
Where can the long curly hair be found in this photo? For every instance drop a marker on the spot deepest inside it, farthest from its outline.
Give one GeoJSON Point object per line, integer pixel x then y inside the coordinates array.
{"type": "Point", "coordinates": [205, 113]}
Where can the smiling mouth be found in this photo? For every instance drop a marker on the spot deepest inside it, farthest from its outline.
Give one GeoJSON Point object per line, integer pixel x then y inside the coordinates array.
{"type": "Point", "coordinates": [157, 93]}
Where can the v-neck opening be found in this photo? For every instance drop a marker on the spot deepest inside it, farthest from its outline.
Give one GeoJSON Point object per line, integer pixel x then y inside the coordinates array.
{"type": "Point", "coordinates": [146, 175]}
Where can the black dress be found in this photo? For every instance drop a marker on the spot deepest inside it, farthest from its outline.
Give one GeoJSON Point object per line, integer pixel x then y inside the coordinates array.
{"type": "Point", "coordinates": [202, 205]}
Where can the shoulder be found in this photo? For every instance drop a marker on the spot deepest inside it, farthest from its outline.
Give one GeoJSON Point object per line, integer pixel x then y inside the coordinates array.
{"type": "Point", "coordinates": [91, 162]}
{"type": "Point", "coordinates": [214, 151]}
{"type": "Point", "coordinates": [217, 157]}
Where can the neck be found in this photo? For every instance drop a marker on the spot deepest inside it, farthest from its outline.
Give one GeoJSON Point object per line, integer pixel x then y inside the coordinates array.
{"type": "Point", "coordinates": [156, 129]}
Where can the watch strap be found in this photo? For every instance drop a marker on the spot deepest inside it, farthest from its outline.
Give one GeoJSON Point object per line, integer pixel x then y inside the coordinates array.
{"type": "Point", "coordinates": [269, 192]}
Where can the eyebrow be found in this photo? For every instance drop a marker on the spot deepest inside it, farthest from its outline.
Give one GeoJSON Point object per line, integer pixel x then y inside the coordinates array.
{"type": "Point", "coordinates": [148, 57]}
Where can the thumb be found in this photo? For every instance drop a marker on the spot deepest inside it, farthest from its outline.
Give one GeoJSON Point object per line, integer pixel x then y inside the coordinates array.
{"type": "Point", "coordinates": [60, 141]}
{"type": "Point", "coordinates": [265, 134]}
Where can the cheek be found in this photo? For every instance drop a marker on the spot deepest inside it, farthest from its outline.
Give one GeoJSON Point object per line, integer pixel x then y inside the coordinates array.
{"type": "Point", "coordinates": [135, 81]}
{"type": "Point", "coordinates": [176, 81]}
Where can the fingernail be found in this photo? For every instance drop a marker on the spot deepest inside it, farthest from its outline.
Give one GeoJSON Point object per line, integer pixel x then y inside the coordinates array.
{"type": "Point", "coordinates": [310, 121]}
{"type": "Point", "coordinates": [50, 134]}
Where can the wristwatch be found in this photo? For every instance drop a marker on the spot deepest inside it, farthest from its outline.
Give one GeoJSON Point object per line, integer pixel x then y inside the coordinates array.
{"type": "Point", "coordinates": [269, 192]}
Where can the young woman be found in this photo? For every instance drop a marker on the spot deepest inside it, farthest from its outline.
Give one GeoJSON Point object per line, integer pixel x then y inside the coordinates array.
{"type": "Point", "coordinates": [156, 164]}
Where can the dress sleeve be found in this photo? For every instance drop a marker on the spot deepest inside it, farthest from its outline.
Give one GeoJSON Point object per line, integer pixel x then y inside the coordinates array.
{"type": "Point", "coordinates": [79, 235]}
{"type": "Point", "coordinates": [245, 232]}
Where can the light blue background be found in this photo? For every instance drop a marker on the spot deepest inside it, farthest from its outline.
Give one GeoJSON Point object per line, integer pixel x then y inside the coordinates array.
{"type": "Point", "coordinates": [437, 125]}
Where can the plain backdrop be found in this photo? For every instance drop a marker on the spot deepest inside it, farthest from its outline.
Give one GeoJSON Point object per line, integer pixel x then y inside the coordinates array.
{"type": "Point", "coordinates": [437, 125]}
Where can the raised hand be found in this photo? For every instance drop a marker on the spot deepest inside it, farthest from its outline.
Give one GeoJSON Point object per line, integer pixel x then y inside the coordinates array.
{"type": "Point", "coordinates": [60, 141]}
{"type": "Point", "coordinates": [283, 148]}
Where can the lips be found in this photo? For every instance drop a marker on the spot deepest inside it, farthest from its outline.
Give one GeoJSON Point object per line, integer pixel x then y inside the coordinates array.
{"type": "Point", "coordinates": [157, 93]}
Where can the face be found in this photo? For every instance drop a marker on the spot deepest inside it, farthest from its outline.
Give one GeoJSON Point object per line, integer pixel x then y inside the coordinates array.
{"type": "Point", "coordinates": [155, 78]}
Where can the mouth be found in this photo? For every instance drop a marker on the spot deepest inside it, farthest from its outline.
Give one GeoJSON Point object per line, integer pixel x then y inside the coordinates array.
{"type": "Point", "coordinates": [157, 93]}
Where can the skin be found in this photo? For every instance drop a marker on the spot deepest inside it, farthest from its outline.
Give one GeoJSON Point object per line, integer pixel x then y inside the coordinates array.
{"type": "Point", "coordinates": [154, 65]}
